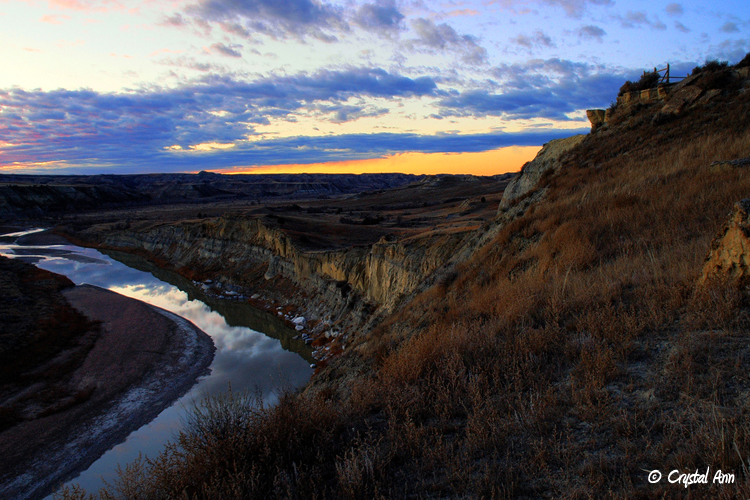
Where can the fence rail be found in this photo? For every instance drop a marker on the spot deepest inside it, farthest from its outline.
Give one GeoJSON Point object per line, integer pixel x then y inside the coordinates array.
{"type": "Point", "coordinates": [666, 77]}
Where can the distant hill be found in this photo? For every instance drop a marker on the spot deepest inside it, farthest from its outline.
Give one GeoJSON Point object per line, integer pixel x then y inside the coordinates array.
{"type": "Point", "coordinates": [37, 196]}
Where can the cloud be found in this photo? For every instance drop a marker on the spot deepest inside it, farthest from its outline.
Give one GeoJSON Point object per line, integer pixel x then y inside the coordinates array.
{"type": "Point", "coordinates": [87, 126]}
{"type": "Point", "coordinates": [730, 27]}
{"type": "Point", "coordinates": [162, 128]}
{"type": "Point", "coordinates": [537, 40]}
{"type": "Point", "coordinates": [681, 27]}
{"type": "Point", "coordinates": [236, 29]}
{"type": "Point", "coordinates": [226, 50]}
{"type": "Point", "coordinates": [592, 32]}
{"type": "Point", "coordinates": [443, 37]}
{"type": "Point", "coordinates": [551, 88]}
{"type": "Point", "coordinates": [572, 8]}
{"type": "Point", "coordinates": [191, 63]}
{"type": "Point", "coordinates": [86, 5]}
{"type": "Point", "coordinates": [290, 18]}
{"type": "Point", "coordinates": [462, 12]}
{"type": "Point", "coordinates": [297, 150]}
{"type": "Point", "coordinates": [379, 17]}
{"type": "Point", "coordinates": [674, 9]}
{"type": "Point", "coordinates": [54, 19]}
{"type": "Point", "coordinates": [640, 19]}
{"type": "Point", "coordinates": [175, 20]}
{"type": "Point", "coordinates": [732, 50]}
{"type": "Point", "coordinates": [343, 113]}
{"type": "Point", "coordinates": [576, 8]}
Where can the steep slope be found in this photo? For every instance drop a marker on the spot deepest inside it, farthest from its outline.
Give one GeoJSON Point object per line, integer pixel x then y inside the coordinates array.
{"type": "Point", "coordinates": [545, 163]}
{"type": "Point", "coordinates": [569, 352]}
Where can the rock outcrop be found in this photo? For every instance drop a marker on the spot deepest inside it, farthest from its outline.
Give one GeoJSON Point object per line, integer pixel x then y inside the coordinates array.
{"type": "Point", "coordinates": [547, 159]}
{"type": "Point", "coordinates": [729, 256]}
{"type": "Point", "coordinates": [597, 117]}
{"type": "Point", "coordinates": [694, 90]}
{"type": "Point", "coordinates": [681, 99]}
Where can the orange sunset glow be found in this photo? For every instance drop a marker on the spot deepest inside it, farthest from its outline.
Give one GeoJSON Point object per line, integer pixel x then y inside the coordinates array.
{"type": "Point", "coordinates": [497, 161]}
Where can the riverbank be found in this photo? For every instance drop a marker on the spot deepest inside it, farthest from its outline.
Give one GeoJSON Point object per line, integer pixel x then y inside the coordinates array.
{"type": "Point", "coordinates": [143, 359]}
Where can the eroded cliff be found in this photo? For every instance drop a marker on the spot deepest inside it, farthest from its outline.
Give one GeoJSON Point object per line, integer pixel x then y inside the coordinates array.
{"type": "Point", "coordinates": [339, 288]}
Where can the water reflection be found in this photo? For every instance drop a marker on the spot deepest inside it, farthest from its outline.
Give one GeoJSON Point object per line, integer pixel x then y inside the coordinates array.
{"type": "Point", "coordinates": [235, 313]}
{"type": "Point", "coordinates": [245, 358]}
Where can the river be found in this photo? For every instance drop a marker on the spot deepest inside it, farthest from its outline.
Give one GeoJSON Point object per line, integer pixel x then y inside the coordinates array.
{"type": "Point", "coordinates": [246, 359]}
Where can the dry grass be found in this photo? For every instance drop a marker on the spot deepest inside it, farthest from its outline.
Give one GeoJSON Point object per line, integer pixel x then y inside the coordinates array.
{"type": "Point", "coordinates": [567, 357]}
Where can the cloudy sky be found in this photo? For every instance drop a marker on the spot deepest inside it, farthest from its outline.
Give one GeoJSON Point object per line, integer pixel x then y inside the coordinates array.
{"type": "Point", "coordinates": [125, 86]}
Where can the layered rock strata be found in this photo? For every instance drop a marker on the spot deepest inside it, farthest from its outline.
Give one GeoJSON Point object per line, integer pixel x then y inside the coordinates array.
{"type": "Point", "coordinates": [341, 288]}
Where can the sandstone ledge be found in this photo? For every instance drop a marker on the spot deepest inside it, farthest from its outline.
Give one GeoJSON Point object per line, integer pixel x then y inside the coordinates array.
{"type": "Point", "coordinates": [729, 256]}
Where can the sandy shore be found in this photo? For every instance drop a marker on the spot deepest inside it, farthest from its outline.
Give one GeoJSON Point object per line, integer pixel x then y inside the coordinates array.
{"type": "Point", "coordinates": [144, 359]}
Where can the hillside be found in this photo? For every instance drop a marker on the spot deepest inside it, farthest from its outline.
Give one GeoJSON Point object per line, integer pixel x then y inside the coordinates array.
{"type": "Point", "coordinates": [562, 348]}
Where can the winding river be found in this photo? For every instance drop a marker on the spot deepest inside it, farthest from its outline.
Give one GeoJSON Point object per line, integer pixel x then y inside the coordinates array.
{"type": "Point", "coordinates": [245, 358]}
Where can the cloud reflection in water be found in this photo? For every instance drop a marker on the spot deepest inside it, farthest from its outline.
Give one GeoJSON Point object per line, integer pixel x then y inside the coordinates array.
{"type": "Point", "coordinates": [245, 358]}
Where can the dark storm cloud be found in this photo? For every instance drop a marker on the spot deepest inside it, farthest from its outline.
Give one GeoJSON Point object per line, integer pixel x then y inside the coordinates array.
{"type": "Point", "coordinates": [443, 37]}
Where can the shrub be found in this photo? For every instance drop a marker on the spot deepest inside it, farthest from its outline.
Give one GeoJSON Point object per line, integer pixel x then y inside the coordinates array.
{"type": "Point", "coordinates": [647, 81]}
{"type": "Point", "coordinates": [713, 65]}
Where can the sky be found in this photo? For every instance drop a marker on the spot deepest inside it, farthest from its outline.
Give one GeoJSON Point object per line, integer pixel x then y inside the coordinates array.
{"type": "Point", "coordinates": [136, 86]}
